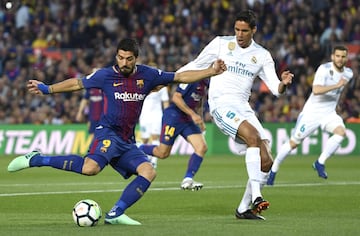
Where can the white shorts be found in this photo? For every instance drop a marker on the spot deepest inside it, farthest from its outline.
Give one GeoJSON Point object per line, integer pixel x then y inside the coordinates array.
{"type": "Point", "coordinates": [306, 124]}
{"type": "Point", "coordinates": [150, 125]}
{"type": "Point", "coordinates": [228, 119]}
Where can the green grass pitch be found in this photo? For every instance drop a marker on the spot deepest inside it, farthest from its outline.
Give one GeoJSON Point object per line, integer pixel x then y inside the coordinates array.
{"type": "Point", "coordinates": [39, 201]}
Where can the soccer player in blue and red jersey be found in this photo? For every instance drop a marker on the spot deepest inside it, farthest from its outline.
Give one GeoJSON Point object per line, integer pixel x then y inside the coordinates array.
{"type": "Point", "coordinates": [93, 99]}
{"type": "Point", "coordinates": [125, 86]}
{"type": "Point", "coordinates": [184, 117]}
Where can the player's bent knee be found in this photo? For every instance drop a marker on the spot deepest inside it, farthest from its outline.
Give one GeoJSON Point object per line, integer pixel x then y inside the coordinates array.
{"type": "Point", "coordinates": [146, 170]}
{"type": "Point", "coordinates": [201, 150]}
{"type": "Point", "coordinates": [90, 167]}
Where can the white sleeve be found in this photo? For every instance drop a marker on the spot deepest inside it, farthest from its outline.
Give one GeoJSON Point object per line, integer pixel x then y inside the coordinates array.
{"type": "Point", "coordinates": [206, 57]}
{"type": "Point", "coordinates": [320, 75]}
{"type": "Point", "coordinates": [269, 76]}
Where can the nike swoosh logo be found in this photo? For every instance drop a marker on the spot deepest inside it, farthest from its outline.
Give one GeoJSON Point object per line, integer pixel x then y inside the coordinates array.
{"type": "Point", "coordinates": [117, 84]}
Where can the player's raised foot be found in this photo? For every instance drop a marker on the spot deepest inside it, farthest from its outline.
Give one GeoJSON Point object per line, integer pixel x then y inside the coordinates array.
{"type": "Point", "coordinates": [259, 205]}
{"type": "Point", "coordinates": [320, 168]}
{"type": "Point", "coordinates": [190, 184]}
{"type": "Point", "coordinates": [248, 215]}
{"type": "Point", "coordinates": [271, 178]}
{"type": "Point", "coordinates": [22, 162]}
{"type": "Point", "coordinates": [119, 220]}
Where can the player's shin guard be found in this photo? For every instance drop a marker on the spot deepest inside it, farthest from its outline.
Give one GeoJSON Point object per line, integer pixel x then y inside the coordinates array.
{"type": "Point", "coordinates": [253, 167]}
{"type": "Point", "coordinates": [280, 157]}
{"type": "Point", "coordinates": [133, 192]}
{"type": "Point", "coordinates": [332, 144]}
{"type": "Point", "coordinates": [72, 163]}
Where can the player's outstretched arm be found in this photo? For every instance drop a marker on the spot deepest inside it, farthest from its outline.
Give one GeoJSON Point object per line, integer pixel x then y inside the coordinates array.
{"type": "Point", "coordinates": [38, 87]}
{"type": "Point", "coordinates": [195, 75]}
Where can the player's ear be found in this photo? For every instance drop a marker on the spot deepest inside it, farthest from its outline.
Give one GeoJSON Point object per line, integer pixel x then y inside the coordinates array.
{"type": "Point", "coordinates": [254, 30]}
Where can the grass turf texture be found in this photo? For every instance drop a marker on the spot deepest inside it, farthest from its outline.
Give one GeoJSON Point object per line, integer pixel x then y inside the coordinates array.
{"type": "Point", "coordinates": [39, 201]}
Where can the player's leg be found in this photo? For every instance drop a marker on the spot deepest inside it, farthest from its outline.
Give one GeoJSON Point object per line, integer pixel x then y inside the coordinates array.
{"type": "Point", "coordinates": [92, 164]}
{"type": "Point", "coordinates": [199, 145]}
{"type": "Point", "coordinates": [73, 163]}
{"type": "Point", "coordinates": [131, 162]}
{"type": "Point", "coordinates": [232, 121]}
{"type": "Point", "coordinates": [337, 128]}
{"type": "Point", "coordinates": [305, 125]}
{"type": "Point", "coordinates": [155, 140]}
{"type": "Point", "coordinates": [251, 136]}
{"type": "Point", "coordinates": [280, 157]}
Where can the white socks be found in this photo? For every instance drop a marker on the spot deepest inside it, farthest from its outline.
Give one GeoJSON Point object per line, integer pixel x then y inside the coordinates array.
{"type": "Point", "coordinates": [253, 167]}
{"type": "Point", "coordinates": [331, 145]}
{"type": "Point", "coordinates": [280, 157]}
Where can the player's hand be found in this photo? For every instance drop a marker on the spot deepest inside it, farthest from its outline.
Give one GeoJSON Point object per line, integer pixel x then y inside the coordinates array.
{"type": "Point", "coordinates": [287, 77]}
{"type": "Point", "coordinates": [342, 82]}
{"type": "Point", "coordinates": [33, 87]}
{"type": "Point", "coordinates": [219, 66]}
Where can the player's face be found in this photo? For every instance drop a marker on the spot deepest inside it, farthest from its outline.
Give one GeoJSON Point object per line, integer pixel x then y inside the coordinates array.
{"type": "Point", "coordinates": [126, 61]}
{"type": "Point", "coordinates": [243, 33]}
{"type": "Point", "coordinates": [339, 58]}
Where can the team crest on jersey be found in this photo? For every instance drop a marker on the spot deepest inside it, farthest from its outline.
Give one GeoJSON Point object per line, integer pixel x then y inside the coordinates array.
{"type": "Point", "coordinates": [253, 60]}
{"type": "Point", "coordinates": [231, 47]}
{"type": "Point", "coordinates": [140, 83]}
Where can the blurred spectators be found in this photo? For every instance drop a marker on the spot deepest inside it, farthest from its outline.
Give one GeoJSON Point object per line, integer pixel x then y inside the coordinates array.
{"type": "Point", "coordinates": [52, 40]}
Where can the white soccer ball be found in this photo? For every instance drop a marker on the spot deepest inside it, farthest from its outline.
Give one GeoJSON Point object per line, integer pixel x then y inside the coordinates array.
{"type": "Point", "coordinates": [86, 213]}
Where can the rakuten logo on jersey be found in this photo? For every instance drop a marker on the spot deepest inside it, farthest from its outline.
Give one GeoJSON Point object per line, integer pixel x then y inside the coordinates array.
{"type": "Point", "coordinates": [129, 97]}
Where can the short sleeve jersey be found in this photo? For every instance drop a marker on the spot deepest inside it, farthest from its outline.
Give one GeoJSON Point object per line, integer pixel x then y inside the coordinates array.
{"type": "Point", "coordinates": [327, 75]}
{"type": "Point", "coordinates": [124, 96]}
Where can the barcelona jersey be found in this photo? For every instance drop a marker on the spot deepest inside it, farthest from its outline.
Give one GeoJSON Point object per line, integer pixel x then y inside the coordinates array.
{"type": "Point", "coordinates": [124, 96]}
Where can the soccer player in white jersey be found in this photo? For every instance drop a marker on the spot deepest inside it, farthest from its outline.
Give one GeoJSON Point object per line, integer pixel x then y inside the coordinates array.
{"type": "Point", "coordinates": [150, 118]}
{"type": "Point", "coordinates": [320, 111]}
{"type": "Point", "coordinates": [228, 100]}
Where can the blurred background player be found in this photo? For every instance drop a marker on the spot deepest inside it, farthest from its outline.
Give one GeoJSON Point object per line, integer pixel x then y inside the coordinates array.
{"type": "Point", "coordinates": [184, 117]}
{"type": "Point", "coordinates": [90, 108]}
{"type": "Point", "coordinates": [150, 118]}
{"type": "Point", "coordinates": [320, 111]}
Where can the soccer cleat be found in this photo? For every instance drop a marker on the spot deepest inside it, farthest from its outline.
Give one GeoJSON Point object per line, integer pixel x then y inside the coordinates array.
{"type": "Point", "coordinates": [271, 178]}
{"type": "Point", "coordinates": [259, 205]}
{"type": "Point", "coordinates": [248, 215]}
{"type": "Point", "coordinates": [120, 220]}
{"type": "Point", "coordinates": [320, 168]}
{"type": "Point", "coordinates": [190, 184]}
{"type": "Point", "coordinates": [21, 162]}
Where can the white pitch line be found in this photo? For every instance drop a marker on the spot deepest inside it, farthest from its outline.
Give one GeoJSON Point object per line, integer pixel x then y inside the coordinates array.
{"type": "Point", "coordinates": [176, 188]}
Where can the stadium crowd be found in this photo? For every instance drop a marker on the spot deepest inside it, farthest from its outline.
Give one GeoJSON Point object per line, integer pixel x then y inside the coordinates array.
{"type": "Point", "coordinates": [52, 40]}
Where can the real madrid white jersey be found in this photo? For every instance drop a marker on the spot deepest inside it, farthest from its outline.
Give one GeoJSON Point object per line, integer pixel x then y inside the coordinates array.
{"type": "Point", "coordinates": [233, 87]}
{"type": "Point", "coordinates": [152, 106]}
{"type": "Point", "coordinates": [327, 75]}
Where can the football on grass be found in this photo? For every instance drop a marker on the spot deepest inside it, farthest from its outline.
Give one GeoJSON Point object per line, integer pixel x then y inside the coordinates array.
{"type": "Point", "coordinates": [86, 213]}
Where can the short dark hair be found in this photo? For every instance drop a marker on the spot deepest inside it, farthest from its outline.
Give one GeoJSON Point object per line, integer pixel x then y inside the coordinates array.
{"type": "Point", "coordinates": [340, 48]}
{"type": "Point", "coordinates": [247, 16]}
{"type": "Point", "coordinates": [130, 45]}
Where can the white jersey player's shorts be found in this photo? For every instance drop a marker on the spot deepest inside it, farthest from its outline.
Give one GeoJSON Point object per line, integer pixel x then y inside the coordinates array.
{"type": "Point", "coordinates": [307, 123]}
{"type": "Point", "coordinates": [150, 125]}
{"type": "Point", "coordinates": [229, 118]}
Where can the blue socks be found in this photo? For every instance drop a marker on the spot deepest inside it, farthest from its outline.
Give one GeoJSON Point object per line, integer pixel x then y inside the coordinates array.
{"type": "Point", "coordinates": [132, 193]}
{"type": "Point", "coordinates": [193, 165]}
{"type": "Point", "coordinates": [147, 148]}
{"type": "Point", "coordinates": [71, 162]}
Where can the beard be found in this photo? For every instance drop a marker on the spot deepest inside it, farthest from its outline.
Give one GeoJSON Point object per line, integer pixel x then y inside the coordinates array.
{"type": "Point", "coordinates": [126, 71]}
